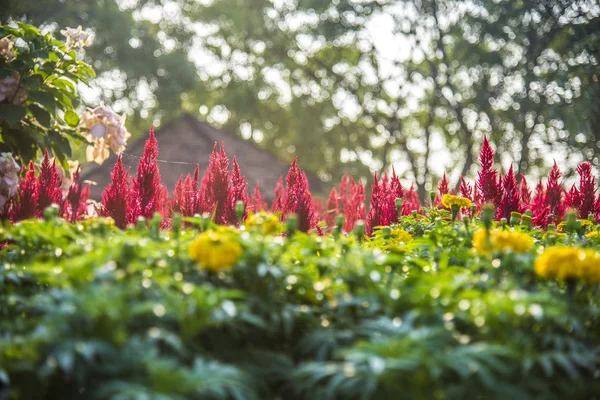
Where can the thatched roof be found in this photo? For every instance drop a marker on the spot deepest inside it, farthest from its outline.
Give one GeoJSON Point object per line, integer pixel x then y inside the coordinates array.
{"type": "Point", "coordinates": [185, 142]}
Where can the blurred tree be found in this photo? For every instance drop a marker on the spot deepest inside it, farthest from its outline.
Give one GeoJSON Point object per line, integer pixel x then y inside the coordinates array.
{"type": "Point", "coordinates": [356, 86]}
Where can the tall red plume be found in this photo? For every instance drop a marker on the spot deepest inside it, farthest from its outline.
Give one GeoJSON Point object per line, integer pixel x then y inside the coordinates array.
{"type": "Point", "coordinates": [331, 208]}
{"type": "Point", "coordinates": [539, 209]}
{"type": "Point", "coordinates": [319, 210]}
{"type": "Point", "coordinates": [116, 196]}
{"type": "Point", "coordinates": [554, 193]}
{"type": "Point", "coordinates": [572, 199]}
{"type": "Point", "coordinates": [73, 200]}
{"type": "Point", "coordinates": [257, 202]}
{"type": "Point", "coordinates": [510, 196]}
{"type": "Point", "coordinates": [299, 198]}
{"type": "Point", "coordinates": [466, 190]}
{"type": "Point", "coordinates": [383, 202]}
{"type": "Point", "coordinates": [48, 187]}
{"type": "Point", "coordinates": [215, 186]}
{"type": "Point", "coordinates": [279, 202]}
{"type": "Point", "coordinates": [26, 205]}
{"type": "Point", "coordinates": [524, 195]}
{"type": "Point", "coordinates": [411, 201]}
{"type": "Point", "coordinates": [237, 191]}
{"type": "Point", "coordinates": [147, 191]}
{"type": "Point", "coordinates": [587, 190]}
{"type": "Point", "coordinates": [487, 182]}
{"type": "Point", "coordinates": [442, 190]}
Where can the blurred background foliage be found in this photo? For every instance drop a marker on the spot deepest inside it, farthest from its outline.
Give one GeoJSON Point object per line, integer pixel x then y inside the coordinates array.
{"type": "Point", "coordinates": [354, 86]}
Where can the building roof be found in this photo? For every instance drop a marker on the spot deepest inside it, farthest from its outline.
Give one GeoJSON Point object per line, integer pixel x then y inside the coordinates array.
{"type": "Point", "coordinates": [187, 141]}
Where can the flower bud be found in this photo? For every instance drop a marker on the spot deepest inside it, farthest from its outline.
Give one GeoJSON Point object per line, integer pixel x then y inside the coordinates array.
{"type": "Point", "coordinates": [240, 208]}
{"type": "Point", "coordinates": [487, 216]}
{"type": "Point", "coordinates": [339, 221]}
{"type": "Point", "coordinates": [399, 203]}
{"type": "Point", "coordinates": [386, 232]}
{"type": "Point", "coordinates": [291, 224]}
{"type": "Point", "coordinates": [359, 230]}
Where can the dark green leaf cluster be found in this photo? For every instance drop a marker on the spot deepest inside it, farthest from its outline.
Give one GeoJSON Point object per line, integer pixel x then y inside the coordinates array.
{"type": "Point", "coordinates": [92, 312]}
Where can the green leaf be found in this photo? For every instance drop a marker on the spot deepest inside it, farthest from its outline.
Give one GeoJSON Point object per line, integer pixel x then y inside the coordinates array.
{"type": "Point", "coordinates": [41, 115]}
{"type": "Point", "coordinates": [72, 118]}
{"type": "Point", "coordinates": [13, 114]}
{"type": "Point", "coordinates": [59, 142]}
{"type": "Point", "coordinates": [45, 99]}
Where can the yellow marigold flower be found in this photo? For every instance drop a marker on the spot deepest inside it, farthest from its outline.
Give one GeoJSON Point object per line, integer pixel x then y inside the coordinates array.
{"type": "Point", "coordinates": [593, 235]}
{"type": "Point", "coordinates": [215, 251]}
{"type": "Point", "coordinates": [510, 241]}
{"type": "Point", "coordinates": [267, 223]}
{"type": "Point", "coordinates": [449, 200]}
{"type": "Point", "coordinates": [399, 236]}
{"type": "Point", "coordinates": [584, 224]}
{"type": "Point", "coordinates": [567, 263]}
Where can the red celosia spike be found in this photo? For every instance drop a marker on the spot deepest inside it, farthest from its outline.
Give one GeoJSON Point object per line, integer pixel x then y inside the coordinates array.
{"type": "Point", "coordinates": [319, 209]}
{"type": "Point", "coordinates": [355, 208]}
{"type": "Point", "coordinates": [215, 186]}
{"type": "Point", "coordinates": [541, 218]}
{"type": "Point", "coordinates": [597, 209]}
{"type": "Point", "coordinates": [510, 196]}
{"type": "Point", "coordinates": [73, 199]}
{"type": "Point", "coordinates": [466, 190]}
{"type": "Point", "coordinates": [443, 186]}
{"type": "Point", "coordinates": [237, 191]}
{"type": "Point", "coordinates": [83, 201]}
{"type": "Point", "coordinates": [572, 199]}
{"type": "Point", "coordinates": [411, 201]}
{"type": "Point", "coordinates": [345, 188]}
{"type": "Point", "coordinates": [26, 205]}
{"type": "Point", "coordinates": [587, 190]}
{"type": "Point", "coordinates": [48, 185]}
{"type": "Point", "coordinates": [374, 217]}
{"type": "Point", "coordinates": [178, 195]}
{"type": "Point", "coordinates": [554, 193]}
{"type": "Point", "coordinates": [538, 206]}
{"type": "Point", "coordinates": [165, 210]}
{"type": "Point", "coordinates": [116, 196]}
{"type": "Point", "coordinates": [190, 198]}
{"type": "Point", "coordinates": [196, 203]}
{"type": "Point", "coordinates": [396, 189]}
{"type": "Point", "coordinates": [477, 198]}
{"type": "Point", "coordinates": [298, 198]}
{"type": "Point", "coordinates": [257, 202]}
{"type": "Point", "coordinates": [279, 202]}
{"type": "Point", "coordinates": [331, 208]}
{"type": "Point", "coordinates": [524, 195]}
{"type": "Point", "coordinates": [487, 182]}
{"type": "Point", "coordinates": [147, 191]}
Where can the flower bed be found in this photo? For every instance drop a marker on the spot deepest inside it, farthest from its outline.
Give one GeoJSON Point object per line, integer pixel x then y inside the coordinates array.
{"type": "Point", "coordinates": [422, 309]}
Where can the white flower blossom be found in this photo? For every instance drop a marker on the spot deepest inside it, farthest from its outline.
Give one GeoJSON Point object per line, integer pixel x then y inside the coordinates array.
{"type": "Point", "coordinates": [106, 130]}
{"type": "Point", "coordinates": [9, 178]}
{"type": "Point", "coordinates": [76, 37]}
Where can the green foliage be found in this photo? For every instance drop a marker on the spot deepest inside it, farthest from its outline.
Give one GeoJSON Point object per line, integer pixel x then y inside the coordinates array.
{"type": "Point", "coordinates": [46, 74]}
{"type": "Point", "coordinates": [93, 312]}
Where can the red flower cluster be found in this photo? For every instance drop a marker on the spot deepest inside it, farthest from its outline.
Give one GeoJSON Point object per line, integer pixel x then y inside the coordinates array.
{"type": "Point", "coordinates": [383, 202]}
{"type": "Point", "coordinates": [126, 198]}
{"type": "Point", "coordinates": [36, 193]}
{"type": "Point", "coordinates": [350, 201]}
